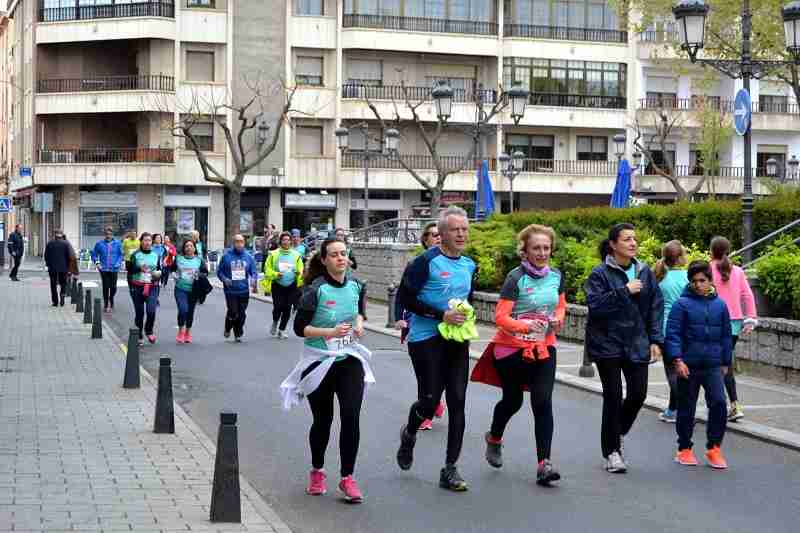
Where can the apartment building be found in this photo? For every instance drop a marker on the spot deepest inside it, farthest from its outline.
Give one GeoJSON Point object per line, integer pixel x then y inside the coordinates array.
{"type": "Point", "coordinates": [5, 95]}
{"type": "Point", "coordinates": [589, 79]}
{"type": "Point", "coordinates": [97, 85]}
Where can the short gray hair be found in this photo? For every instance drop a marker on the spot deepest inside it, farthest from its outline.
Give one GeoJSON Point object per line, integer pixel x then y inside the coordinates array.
{"type": "Point", "coordinates": [450, 211]}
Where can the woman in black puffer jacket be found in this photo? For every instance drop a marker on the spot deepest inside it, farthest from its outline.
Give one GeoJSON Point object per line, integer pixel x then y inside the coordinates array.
{"type": "Point", "coordinates": [623, 335]}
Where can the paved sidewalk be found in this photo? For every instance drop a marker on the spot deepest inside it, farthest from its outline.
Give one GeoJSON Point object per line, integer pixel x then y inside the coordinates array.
{"type": "Point", "coordinates": [77, 451]}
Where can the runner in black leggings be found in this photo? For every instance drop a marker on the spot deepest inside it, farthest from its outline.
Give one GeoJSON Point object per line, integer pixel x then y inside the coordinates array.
{"type": "Point", "coordinates": [429, 283]}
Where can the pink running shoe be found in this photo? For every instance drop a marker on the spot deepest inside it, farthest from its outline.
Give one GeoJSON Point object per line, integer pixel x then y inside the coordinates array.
{"type": "Point", "coordinates": [316, 483]}
{"type": "Point", "coordinates": [439, 413]}
{"type": "Point", "coordinates": [151, 339]}
{"type": "Point", "coordinates": [187, 337]}
{"type": "Point", "coordinates": [426, 425]}
{"type": "Point", "coordinates": [179, 337]}
{"type": "Point", "coordinates": [349, 489]}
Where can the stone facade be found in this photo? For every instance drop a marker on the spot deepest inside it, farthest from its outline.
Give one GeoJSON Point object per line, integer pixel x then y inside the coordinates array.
{"type": "Point", "coordinates": [381, 265]}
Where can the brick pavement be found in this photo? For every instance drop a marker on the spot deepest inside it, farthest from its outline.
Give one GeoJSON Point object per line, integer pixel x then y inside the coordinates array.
{"type": "Point", "coordinates": [77, 452]}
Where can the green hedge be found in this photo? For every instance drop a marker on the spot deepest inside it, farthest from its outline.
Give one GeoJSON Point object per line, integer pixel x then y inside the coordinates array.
{"type": "Point", "coordinates": [493, 243]}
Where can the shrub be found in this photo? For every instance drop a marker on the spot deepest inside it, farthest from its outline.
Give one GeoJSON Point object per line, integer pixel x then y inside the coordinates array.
{"type": "Point", "coordinates": [779, 274]}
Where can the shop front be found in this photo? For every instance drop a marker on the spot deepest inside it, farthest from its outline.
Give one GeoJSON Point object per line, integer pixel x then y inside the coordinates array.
{"type": "Point", "coordinates": [186, 210]}
{"type": "Point", "coordinates": [102, 208]}
{"type": "Point", "coordinates": [307, 209]}
{"type": "Point", "coordinates": [383, 205]}
{"type": "Point", "coordinates": [253, 213]}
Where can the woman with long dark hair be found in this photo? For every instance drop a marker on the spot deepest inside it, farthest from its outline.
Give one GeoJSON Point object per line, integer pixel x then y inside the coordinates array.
{"type": "Point", "coordinates": [330, 317]}
{"type": "Point", "coordinates": [672, 281]}
{"type": "Point", "coordinates": [732, 287]}
{"type": "Point", "coordinates": [522, 354]}
{"type": "Point", "coordinates": [144, 268]}
{"type": "Point", "coordinates": [623, 334]}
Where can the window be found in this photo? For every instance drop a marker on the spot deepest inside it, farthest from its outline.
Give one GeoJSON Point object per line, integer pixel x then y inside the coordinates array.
{"type": "Point", "coordinates": [199, 66]}
{"type": "Point", "coordinates": [545, 78]}
{"type": "Point", "coordinates": [364, 72]}
{"type": "Point", "coordinates": [592, 149]}
{"type": "Point", "coordinates": [771, 152]}
{"type": "Point", "coordinates": [308, 71]}
{"type": "Point", "coordinates": [667, 100]}
{"type": "Point", "coordinates": [660, 158]}
{"type": "Point", "coordinates": [593, 14]}
{"type": "Point", "coordinates": [376, 194]}
{"type": "Point", "coordinates": [471, 10]}
{"type": "Point", "coordinates": [769, 103]}
{"type": "Point", "coordinates": [204, 135]}
{"type": "Point", "coordinates": [200, 3]}
{"type": "Point", "coordinates": [308, 140]}
{"type": "Point", "coordinates": [309, 7]}
{"type": "Point", "coordinates": [538, 150]}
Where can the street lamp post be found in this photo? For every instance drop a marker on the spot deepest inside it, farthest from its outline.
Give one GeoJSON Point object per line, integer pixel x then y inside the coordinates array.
{"type": "Point", "coordinates": [691, 18]}
{"type": "Point", "coordinates": [390, 145]}
{"type": "Point", "coordinates": [510, 167]}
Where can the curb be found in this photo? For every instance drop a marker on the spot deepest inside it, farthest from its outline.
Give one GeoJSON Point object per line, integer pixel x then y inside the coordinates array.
{"type": "Point", "coordinates": [261, 507]}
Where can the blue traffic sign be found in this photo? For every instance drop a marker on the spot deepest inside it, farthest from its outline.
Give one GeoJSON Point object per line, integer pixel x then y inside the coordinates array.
{"type": "Point", "coordinates": [25, 172]}
{"type": "Point", "coordinates": [742, 109]}
{"type": "Point", "coordinates": [5, 204]}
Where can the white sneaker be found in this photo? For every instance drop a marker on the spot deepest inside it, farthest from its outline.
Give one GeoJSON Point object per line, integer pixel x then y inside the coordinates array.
{"type": "Point", "coordinates": [274, 329]}
{"type": "Point", "coordinates": [282, 334]}
{"type": "Point", "coordinates": [615, 464]}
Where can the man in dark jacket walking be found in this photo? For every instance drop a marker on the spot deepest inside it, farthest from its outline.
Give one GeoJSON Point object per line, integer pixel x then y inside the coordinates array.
{"type": "Point", "coordinates": [57, 256]}
{"type": "Point", "coordinates": [16, 247]}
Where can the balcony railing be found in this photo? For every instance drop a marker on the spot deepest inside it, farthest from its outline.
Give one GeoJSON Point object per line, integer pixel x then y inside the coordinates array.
{"type": "Point", "coordinates": [417, 162]}
{"type": "Point", "coordinates": [578, 100]}
{"type": "Point", "coordinates": [392, 22]}
{"type": "Point", "coordinates": [161, 8]}
{"type": "Point", "coordinates": [397, 92]}
{"type": "Point", "coordinates": [79, 156]}
{"type": "Point", "coordinates": [107, 83]}
{"type": "Point", "coordinates": [565, 34]}
{"type": "Point", "coordinates": [694, 104]}
{"type": "Point", "coordinates": [696, 171]}
{"type": "Point", "coordinates": [658, 36]}
{"type": "Point", "coordinates": [579, 168]}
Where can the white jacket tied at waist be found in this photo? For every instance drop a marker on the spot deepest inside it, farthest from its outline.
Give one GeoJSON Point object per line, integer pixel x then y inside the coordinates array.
{"type": "Point", "coordinates": [296, 387]}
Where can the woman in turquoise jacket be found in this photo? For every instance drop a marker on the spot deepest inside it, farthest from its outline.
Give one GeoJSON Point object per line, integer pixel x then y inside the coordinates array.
{"type": "Point", "coordinates": [672, 280]}
{"type": "Point", "coordinates": [188, 267]}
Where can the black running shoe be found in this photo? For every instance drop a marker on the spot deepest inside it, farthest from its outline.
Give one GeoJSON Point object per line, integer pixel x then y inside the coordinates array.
{"type": "Point", "coordinates": [450, 479]}
{"type": "Point", "coordinates": [227, 333]}
{"type": "Point", "coordinates": [494, 452]}
{"type": "Point", "coordinates": [546, 474]}
{"type": "Point", "coordinates": [405, 455]}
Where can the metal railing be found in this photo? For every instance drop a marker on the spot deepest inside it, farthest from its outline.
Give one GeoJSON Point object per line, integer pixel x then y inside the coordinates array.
{"type": "Point", "coordinates": [685, 104]}
{"type": "Point", "coordinates": [107, 83]}
{"type": "Point", "coordinates": [562, 33]}
{"type": "Point", "coordinates": [160, 8]}
{"type": "Point", "coordinates": [578, 100]}
{"type": "Point", "coordinates": [580, 168]}
{"type": "Point", "coordinates": [393, 22]}
{"type": "Point", "coordinates": [415, 161]}
{"type": "Point", "coordinates": [782, 174]}
{"type": "Point", "coordinates": [394, 230]}
{"type": "Point", "coordinates": [106, 155]}
{"type": "Point", "coordinates": [397, 92]}
{"type": "Point", "coordinates": [658, 36]}
{"type": "Point", "coordinates": [776, 107]}
{"type": "Point", "coordinates": [766, 238]}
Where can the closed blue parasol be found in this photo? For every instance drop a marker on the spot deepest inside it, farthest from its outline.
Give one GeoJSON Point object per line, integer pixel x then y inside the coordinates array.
{"type": "Point", "coordinates": [484, 197]}
{"type": "Point", "coordinates": [622, 189]}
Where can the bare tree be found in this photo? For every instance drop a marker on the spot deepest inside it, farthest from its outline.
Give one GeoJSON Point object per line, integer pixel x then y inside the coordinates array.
{"type": "Point", "coordinates": [432, 134]}
{"type": "Point", "coordinates": [652, 137]}
{"type": "Point", "coordinates": [249, 141]}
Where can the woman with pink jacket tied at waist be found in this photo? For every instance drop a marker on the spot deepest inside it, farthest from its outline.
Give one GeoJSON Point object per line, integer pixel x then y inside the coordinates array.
{"type": "Point", "coordinates": [731, 284]}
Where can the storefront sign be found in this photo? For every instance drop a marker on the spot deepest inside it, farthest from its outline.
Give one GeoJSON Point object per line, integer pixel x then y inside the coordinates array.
{"type": "Point", "coordinates": [43, 202]}
{"type": "Point", "coordinates": [184, 197]}
{"type": "Point", "coordinates": [20, 182]}
{"type": "Point", "coordinates": [108, 198]}
{"type": "Point", "coordinates": [185, 221]}
{"type": "Point", "coordinates": [323, 201]}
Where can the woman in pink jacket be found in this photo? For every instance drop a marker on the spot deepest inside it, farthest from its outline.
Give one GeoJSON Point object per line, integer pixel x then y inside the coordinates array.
{"type": "Point", "coordinates": [732, 286]}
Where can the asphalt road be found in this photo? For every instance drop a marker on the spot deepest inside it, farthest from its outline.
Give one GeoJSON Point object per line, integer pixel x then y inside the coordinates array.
{"type": "Point", "coordinates": [760, 492]}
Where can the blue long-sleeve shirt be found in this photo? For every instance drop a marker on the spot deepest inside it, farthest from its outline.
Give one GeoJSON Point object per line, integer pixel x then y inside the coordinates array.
{"type": "Point", "coordinates": [108, 254]}
{"type": "Point", "coordinates": [237, 271]}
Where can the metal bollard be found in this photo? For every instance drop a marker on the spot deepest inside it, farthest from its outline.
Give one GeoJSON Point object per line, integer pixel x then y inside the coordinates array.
{"type": "Point", "coordinates": [165, 410]}
{"type": "Point", "coordinates": [87, 307]}
{"type": "Point", "coordinates": [391, 296]}
{"type": "Point", "coordinates": [73, 293]}
{"type": "Point", "coordinates": [131, 378]}
{"type": "Point", "coordinates": [97, 320]}
{"type": "Point", "coordinates": [226, 503]}
{"type": "Point", "coordinates": [79, 299]}
{"type": "Point", "coordinates": [586, 370]}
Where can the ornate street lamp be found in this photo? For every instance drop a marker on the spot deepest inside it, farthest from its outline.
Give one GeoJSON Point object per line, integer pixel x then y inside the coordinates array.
{"type": "Point", "coordinates": [262, 132]}
{"type": "Point", "coordinates": [519, 99]}
{"type": "Point", "coordinates": [443, 97]}
{"type": "Point", "coordinates": [619, 145]}
{"type": "Point", "coordinates": [510, 167]}
{"type": "Point", "coordinates": [791, 27]}
{"type": "Point", "coordinates": [691, 18]}
{"type": "Point", "coordinates": [392, 140]}
{"type": "Point", "coordinates": [342, 139]}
